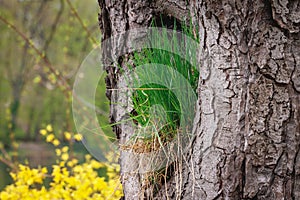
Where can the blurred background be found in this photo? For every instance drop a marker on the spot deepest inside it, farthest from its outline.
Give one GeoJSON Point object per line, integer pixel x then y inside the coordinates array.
{"type": "Point", "coordinates": [43, 43]}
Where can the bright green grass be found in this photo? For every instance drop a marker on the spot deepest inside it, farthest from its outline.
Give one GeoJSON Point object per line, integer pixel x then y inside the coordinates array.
{"type": "Point", "coordinates": [147, 95]}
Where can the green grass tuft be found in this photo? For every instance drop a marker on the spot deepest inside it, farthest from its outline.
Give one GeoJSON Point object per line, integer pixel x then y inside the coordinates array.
{"type": "Point", "coordinates": [151, 94]}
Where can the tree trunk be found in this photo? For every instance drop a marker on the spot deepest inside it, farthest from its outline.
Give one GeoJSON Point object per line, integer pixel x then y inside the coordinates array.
{"type": "Point", "coordinates": [248, 110]}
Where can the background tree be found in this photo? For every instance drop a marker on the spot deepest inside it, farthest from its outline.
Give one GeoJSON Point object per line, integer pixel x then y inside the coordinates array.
{"type": "Point", "coordinates": [247, 115]}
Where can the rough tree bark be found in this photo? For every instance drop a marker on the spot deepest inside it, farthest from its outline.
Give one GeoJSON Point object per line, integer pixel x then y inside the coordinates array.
{"type": "Point", "coordinates": [248, 111]}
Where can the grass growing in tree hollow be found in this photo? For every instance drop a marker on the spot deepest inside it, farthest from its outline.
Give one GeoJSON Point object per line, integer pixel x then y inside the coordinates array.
{"type": "Point", "coordinates": [152, 94]}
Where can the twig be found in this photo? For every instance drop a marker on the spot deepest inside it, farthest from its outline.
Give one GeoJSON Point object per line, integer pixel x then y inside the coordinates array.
{"type": "Point", "coordinates": [74, 11]}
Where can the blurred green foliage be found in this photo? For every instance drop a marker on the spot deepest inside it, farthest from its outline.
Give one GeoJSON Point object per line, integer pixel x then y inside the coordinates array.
{"type": "Point", "coordinates": [31, 94]}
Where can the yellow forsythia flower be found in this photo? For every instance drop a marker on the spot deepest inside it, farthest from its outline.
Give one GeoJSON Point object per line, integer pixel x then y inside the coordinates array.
{"type": "Point", "coordinates": [75, 161]}
{"type": "Point", "coordinates": [96, 165]}
{"type": "Point", "coordinates": [88, 157]}
{"type": "Point", "coordinates": [43, 132]}
{"type": "Point", "coordinates": [65, 156]}
{"type": "Point", "coordinates": [44, 170]}
{"type": "Point", "coordinates": [67, 135]}
{"type": "Point", "coordinates": [55, 142]}
{"type": "Point", "coordinates": [49, 128]}
{"type": "Point", "coordinates": [50, 138]}
{"type": "Point", "coordinates": [78, 137]}
{"type": "Point", "coordinates": [65, 149]}
{"type": "Point", "coordinates": [69, 179]}
{"type": "Point", "coordinates": [58, 152]}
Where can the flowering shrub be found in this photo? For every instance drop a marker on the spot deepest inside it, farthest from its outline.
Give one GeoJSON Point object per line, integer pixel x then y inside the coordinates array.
{"type": "Point", "coordinates": [68, 179]}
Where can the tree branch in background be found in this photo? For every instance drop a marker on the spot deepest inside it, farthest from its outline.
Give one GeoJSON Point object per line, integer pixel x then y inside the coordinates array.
{"type": "Point", "coordinates": [74, 11]}
{"type": "Point", "coordinates": [54, 25]}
